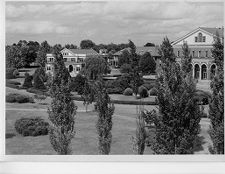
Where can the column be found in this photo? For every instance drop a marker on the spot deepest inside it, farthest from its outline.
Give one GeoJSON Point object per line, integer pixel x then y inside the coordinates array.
{"type": "Point", "coordinates": [200, 72]}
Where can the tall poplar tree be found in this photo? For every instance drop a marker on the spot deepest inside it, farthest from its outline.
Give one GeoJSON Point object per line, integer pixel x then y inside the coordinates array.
{"type": "Point", "coordinates": [177, 122]}
{"type": "Point", "coordinates": [186, 59]}
{"type": "Point", "coordinates": [105, 111]}
{"type": "Point", "coordinates": [62, 110]}
{"type": "Point", "coordinates": [216, 106]}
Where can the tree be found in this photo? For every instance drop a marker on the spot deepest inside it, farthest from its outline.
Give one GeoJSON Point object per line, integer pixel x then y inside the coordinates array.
{"type": "Point", "coordinates": [41, 54]}
{"type": "Point", "coordinates": [62, 110]}
{"type": "Point", "coordinates": [105, 111]}
{"type": "Point", "coordinates": [177, 122]}
{"type": "Point", "coordinates": [77, 84]}
{"type": "Point", "coordinates": [149, 44]}
{"type": "Point", "coordinates": [86, 44]}
{"type": "Point", "coordinates": [216, 105]}
{"type": "Point", "coordinates": [87, 94]}
{"type": "Point", "coordinates": [124, 58]}
{"type": "Point", "coordinates": [94, 67]}
{"type": "Point", "coordinates": [13, 57]}
{"type": "Point", "coordinates": [147, 63]}
{"type": "Point", "coordinates": [70, 46]}
{"type": "Point", "coordinates": [28, 81]}
{"type": "Point", "coordinates": [186, 59]}
{"type": "Point", "coordinates": [38, 82]}
{"type": "Point", "coordinates": [126, 68]}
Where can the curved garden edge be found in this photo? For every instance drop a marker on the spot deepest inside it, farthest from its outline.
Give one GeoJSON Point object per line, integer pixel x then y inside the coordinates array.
{"type": "Point", "coordinates": [127, 102]}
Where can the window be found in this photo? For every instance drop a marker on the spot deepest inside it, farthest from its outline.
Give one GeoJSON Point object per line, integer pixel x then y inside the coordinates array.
{"type": "Point", "coordinates": [199, 37]}
{"type": "Point", "coordinates": [73, 59]}
{"type": "Point", "coordinates": [199, 53]}
{"type": "Point", "coordinates": [178, 53]}
{"type": "Point", "coordinates": [196, 39]}
{"type": "Point", "coordinates": [206, 53]}
{"type": "Point", "coordinates": [193, 53]}
{"type": "Point", "coordinates": [78, 68]}
{"type": "Point", "coordinates": [79, 60]}
{"type": "Point", "coordinates": [65, 59]}
{"type": "Point", "coordinates": [48, 68]}
{"type": "Point", "coordinates": [203, 39]}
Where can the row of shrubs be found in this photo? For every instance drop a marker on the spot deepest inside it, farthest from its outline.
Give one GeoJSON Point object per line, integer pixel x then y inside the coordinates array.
{"type": "Point", "coordinates": [18, 98]}
{"type": "Point", "coordinates": [31, 126]}
{"type": "Point", "coordinates": [12, 73]}
{"type": "Point", "coordinates": [142, 91]}
{"type": "Point", "coordinates": [12, 84]}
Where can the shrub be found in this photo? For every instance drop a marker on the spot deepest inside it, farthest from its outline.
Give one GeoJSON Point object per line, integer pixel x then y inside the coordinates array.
{"type": "Point", "coordinates": [38, 91]}
{"type": "Point", "coordinates": [202, 97]}
{"type": "Point", "coordinates": [142, 91]}
{"type": "Point", "coordinates": [149, 85]}
{"type": "Point", "coordinates": [9, 73]}
{"type": "Point", "coordinates": [128, 91]}
{"type": "Point", "coordinates": [27, 81]}
{"type": "Point", "coordinates": [125, 68]}
{"type": "Point", "coordinates": [31, 126]}
{"type": "Point", "coordinates": [116, 90]}
{"type": "Point", "coordinates": [12, 84]}
{"type": "Point", "coordinates": [16, 73]}
{"type": "Point", "coordinates": [153, 92]}
{"type": "Point", "coordinates": [19, 98]}
{"type": "Point", "coordinates": [41, 73]}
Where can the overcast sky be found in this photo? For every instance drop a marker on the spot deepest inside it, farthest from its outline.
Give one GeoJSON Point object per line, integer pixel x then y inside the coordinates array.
{"type": "Point", "coordinates": [106, 22]}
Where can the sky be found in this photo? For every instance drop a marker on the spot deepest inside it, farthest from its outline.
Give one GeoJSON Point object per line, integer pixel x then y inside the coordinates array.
{"type": "Point", "coordinates": [107, 21]}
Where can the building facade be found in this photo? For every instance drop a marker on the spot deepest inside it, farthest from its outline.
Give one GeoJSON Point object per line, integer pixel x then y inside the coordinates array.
{"type": "Point", "coordinates": [73, 59]}
{"type": "Point", "coordinates": [200, 42]}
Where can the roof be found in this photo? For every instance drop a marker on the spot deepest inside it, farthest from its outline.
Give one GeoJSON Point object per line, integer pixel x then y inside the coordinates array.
{"type": "Point", "coordinates": [211, 31]}
{"type": "Point", "coordinates": [84, 51]}
{"type": "Point", "coordinates": [214, 31]}
{"type": "Point", "coordinates": [141, 50]}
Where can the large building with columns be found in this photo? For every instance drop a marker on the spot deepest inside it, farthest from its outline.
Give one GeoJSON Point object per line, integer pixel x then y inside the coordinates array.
{"type": "Point", "coordinates": [200, 42]}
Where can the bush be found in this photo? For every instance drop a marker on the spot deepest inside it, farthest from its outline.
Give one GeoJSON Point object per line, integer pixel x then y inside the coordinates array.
{"type": "Point", "coordinates": [149, 86]}
{"type": "Point", "coordinates": [153, 92]}
{"type": "Point", "coordinates": [125, 68]}
{"type": "Point", "coordinates": [202, 97]}
{"type": "Point", "coordinates": [16, 73]}
{"type": "Point", "coordinates": [41, 73]}
{"type": "Point", "coordinates": [142, 91]}
{"type": "Point", "coordinates": [128, 91]}
{"type": "Point", "coordinates": [19, 98]}
{"type": "Point", "coordinates": [38, 91]}
{"type": "Point", "coordinates": [31, 126]}
{"type": "Point", "coordinates": [27, 81]}
{"type": "Point", "coordinates": [9, 73]}
{"type": "Point", "coordinates": [116, 90]}
{"type": "Point", "coordinates": [12, 84]}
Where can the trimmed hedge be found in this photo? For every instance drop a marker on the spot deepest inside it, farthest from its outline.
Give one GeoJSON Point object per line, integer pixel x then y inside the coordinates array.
{"type": "Point", "coordinates": [12, 84]}
{"type": "Point", "coordinates": [9, 73]}
{"type": "Point", "coordinates": [31, 126]}
{"type": "Point", "coordinates": [153, 92]}
{"type": "Point", "coordinates": [27, 81]}
{"type": "Point", "coordinates": [18, 98]}
{"type": "Point", "coordinates": [128, 92]}
{"type": "Point", "coordinates": [38, 91]}
{"type": "Point", "coordinates": [143, 92]}
{"type": "Point", "coordinates": [116, 90]}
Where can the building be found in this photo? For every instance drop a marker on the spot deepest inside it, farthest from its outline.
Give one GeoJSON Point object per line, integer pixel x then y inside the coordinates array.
{"type": "Point", "coordinates": [200, 42]}
{"type": "Point", "coordinates": [139, 50]}
{"type": "Point", "coordinates": [73, 58]}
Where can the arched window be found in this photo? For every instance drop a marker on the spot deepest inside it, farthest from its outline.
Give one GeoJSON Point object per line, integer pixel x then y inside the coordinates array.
{"type": "Point", "coordinates": [199, 37]}
{"type": "Point", "coordinates": [204, 72]}
{"type": "Point", "coordinates": [196, 71]}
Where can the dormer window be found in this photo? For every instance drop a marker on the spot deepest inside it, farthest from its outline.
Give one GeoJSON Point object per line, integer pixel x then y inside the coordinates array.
{"type": "Point", "coordinates": [200, 38]}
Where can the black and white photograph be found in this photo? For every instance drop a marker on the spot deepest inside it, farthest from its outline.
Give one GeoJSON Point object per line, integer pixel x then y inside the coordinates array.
{"type": "Point", "coordinates": [128, 78]}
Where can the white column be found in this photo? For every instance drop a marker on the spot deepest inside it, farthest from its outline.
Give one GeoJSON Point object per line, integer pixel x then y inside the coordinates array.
{"type": "Point", "coordinates": [200, 72]}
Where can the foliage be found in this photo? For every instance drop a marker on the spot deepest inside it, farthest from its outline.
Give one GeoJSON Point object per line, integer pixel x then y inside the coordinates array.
{"type": "Point", "coordinates": [38, 82]}
{"type": "Point", "coordinates": [38, 91]}
{"type": "Point", "coordinates": [86, 44]}
{"type": "Point", "coordinates": [105, 111]}
{"type": "Point", "coordinates": [9, 73]}
{"type": "Point", "coordinates": [128, 91]}
{"type": "Point", "coordinates": [70, 46]}
{"type": "Point", "coordinates": [27, 81]}
{"type": "Point", "coordinates": [41, 54]}
{"type": "Point", "coordinates": [125, 68]}
{"type": "Point", "coordinates": [149, 85]}
{"type": "Point", "coordinates": [77, 84]}
{"type": "Point", "coordinates": [14, 57]}
{"type": "Point", "coordinates": [147, 64]}
{"type": "Point", "coordinates": [177, 123]}
{"type": "Point", "coordinates": [216, 106]}
{"type": "Point", "coordinates": [186, 59]}
{"type": "Point", "coordinates": [62, 110]}
{"type": "Point", "coordinates": [18, 98]}
{"type": "Point", "coordinates": [16, 73]}
{"type": "Point", "coordinates": [115, 90]}
{"type": "Point", "coordinates": [31, 126]}
{"type": "Point", "coordinates": [124, 58]}
{"type": "Point", "coordinates": [153, 92]}
{"type": "Point", "coordinates": [41, 73]}
{"type": "Point", "coordinates": [143, 92]}
{"type": "Point", "coordinates": [139, 140]}
{"type": "Point", "coordinates": [94, 67]}
{"type": "Point", "coordinates": [136, 81]}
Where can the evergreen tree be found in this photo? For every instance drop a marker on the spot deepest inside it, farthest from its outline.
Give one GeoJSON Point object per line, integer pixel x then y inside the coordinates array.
{"type": "Point", "coordinates": [216, 106]}
{"type": "Point", "coordinates": [186, 59]}
{"type": "Point", "coordinates": [41, 54]}
{"type": "Point", "coordinates": [62, 110]}
{"type": "Point", "coordinates": [38, 82]}
{"type": "Point", "coordinates": [177, 123]}
{"type": "Point", "coordinates": [105, 111]}
{"type": "Point", "coordinates": [28, 81]}
{"type": "Point", "coordinates": [147, 63]}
